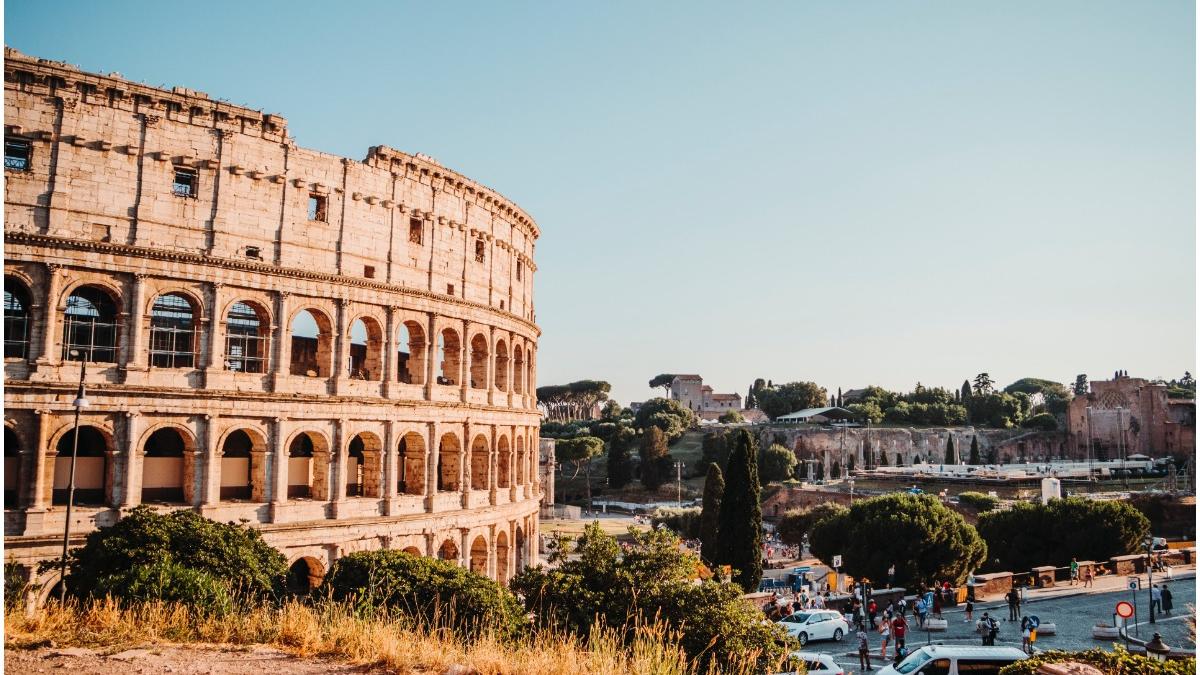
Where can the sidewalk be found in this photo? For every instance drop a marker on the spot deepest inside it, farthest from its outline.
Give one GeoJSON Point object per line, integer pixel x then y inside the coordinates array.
{"type": "Point", "coordinates": [1102, 584]}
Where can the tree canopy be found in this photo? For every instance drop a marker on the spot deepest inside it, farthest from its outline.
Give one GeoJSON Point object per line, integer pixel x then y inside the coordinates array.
{"type": "Point", "coordinates": [574, 401]}
{"type": "Point", "coordinates": [1028, 535]}
{"type": "Point", "coordinates": [740, 521]}
{"type": "Point", "coordinates": [670, 416]}
{"type": "Point", "coordinates": [798, 522]}
{"type": "Point", "coordinates": [790, 397]}
{"type": "Point", "coordinates": [776, 463]}
{"type": "Point", "coordinates": [663, 380]}
{"type": "Point", "coordinates": [656, 463]}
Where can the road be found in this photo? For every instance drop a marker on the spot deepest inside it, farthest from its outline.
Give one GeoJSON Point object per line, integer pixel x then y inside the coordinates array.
{"type": "Point", "coordinates": [1074, 615]}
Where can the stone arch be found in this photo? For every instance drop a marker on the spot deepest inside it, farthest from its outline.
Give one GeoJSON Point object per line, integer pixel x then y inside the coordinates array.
{"type": "Point", "coordinates": [502, 554]}
{"type": "Point", "coordinates": [450, 353]}
{"type": "Point", "coordinates": [448, 551]}
{"type": "Point", "coordinates": [519, 542]}
{"type": "Point", "coordinates": [247, 337]}
{"type": "Point", "coordinates": [243, 465]}
{"type": "Point", "coordinates": [503, 462]}
{"type": "Point", "coordinates": [480, 460]}
{"type": "Point", "coordinates": [311, 335]}
{"type": "Point", "coordinates": [305, 574]}
{"type": "Point", "coordinates": [364, 466]}
{"type": "Point", "coordinates": [449, 451]}
{"type": "Point", "coordinates": [518, 369]}
{"type": "Point", "coordinates": [479, 555]}
{"type": "Point", "coordinates": [411, 459]}
{"type": "Point", "coordinates": [522, 464]}
{"type": "Point", "coordinates": [365, 349]}
{"type": "Point", "coordinates": [479, 361]}
{"type": "Point", "coordinates": [18, 319]}
{"type": "Point", "coordinates": [172, 327]}
{"type": "Point", "coordinates": [413, 550]}
{"type": "Point", "coordinates": [91, 328]}
{"type": "Point", "coordinates": [308, 466]}
{"type": "Point", "coordinates": [501, 365]}
{"type": "Point", "coordinates": [12, 468]}
{"type": "Point", "coordinates": [168, 455]}
{"type": "Point", "coordinates": [93, 481]}
{"type": "Point", "coordinates": [410, 353]}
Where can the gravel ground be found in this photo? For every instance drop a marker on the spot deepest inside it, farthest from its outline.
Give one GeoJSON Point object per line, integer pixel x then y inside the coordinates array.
{"type": "Point", "coordinates": [178, 660]}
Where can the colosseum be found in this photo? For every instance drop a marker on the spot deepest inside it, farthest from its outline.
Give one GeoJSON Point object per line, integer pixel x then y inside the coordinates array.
{"type": "Point", "coordinates": [342, 353]}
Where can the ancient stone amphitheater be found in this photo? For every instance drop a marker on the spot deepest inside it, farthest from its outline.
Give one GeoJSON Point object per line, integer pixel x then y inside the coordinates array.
{"type": "Point", "coordinates": [341, 352]}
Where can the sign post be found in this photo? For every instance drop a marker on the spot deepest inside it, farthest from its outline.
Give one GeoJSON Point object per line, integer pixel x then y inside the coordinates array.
{"type": "Point", "coordinates": [1134, 584]}
{"type": "Point", "coordinates": [1123, 610]}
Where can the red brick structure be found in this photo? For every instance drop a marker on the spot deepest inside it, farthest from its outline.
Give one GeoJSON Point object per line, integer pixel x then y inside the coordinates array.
{"type": "Point", "coordinates": [1133, 413]}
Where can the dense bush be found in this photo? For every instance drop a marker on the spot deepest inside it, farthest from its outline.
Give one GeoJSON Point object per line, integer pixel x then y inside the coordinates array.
{"type": "Point", "coordinates": [436, 592]}
{"type": "Point", "coordinates": [731, 417]}
{"type": "Point", "coordinates": [669, 415]}
{"type": "Point", "coordinates": [165, 544]}
{"type": "Point", "coordinates": [1029, 535]}
{"type": "Point", "coordinates": [169, 581]}
{"type": "Point", "coordinates": [683, 522]}
{"type": "Point", "coordinates": [798, 522]}
{"type": "Point", "coordinates": [979, 501]}
{"type": "Point", "coordinates": [15, 585]}
{"type": "Point", "coordinates": [1043, 421]}
{"type": "Point", "coordinates": [775, 463]}
{"type": "Point", "coordinates": [653, 577]}
{"type": "Point", "coordinates": [1115, 662]}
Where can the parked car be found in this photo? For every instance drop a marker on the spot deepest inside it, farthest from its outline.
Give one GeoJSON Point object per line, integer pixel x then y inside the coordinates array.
{"type": "Point", "coordinates": [815, 624]}
{"type": "Point", "coordinates": [955, 660]}
{"type": "Point", "coordinates": [817, 664]}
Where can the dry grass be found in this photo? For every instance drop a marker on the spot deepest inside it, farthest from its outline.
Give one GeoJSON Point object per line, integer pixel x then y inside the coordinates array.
{"type": "Point", "coordinates": [332, 630]}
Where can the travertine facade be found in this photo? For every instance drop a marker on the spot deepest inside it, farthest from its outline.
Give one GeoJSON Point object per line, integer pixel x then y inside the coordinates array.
{"type": "Point", "coordinates": [343, 353]}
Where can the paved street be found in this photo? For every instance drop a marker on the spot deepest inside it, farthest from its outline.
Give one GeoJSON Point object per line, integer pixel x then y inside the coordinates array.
{"type": "Point", "coordinates": [1074, 615]}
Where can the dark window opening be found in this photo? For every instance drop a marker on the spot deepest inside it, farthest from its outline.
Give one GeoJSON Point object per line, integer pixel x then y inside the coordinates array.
{"type": "Point", "coordinates": [16, 154]}
{"type": "Point", "coordinates": [450, 289]}
{"type": "Point", "coordinates": [520, 269]}
{"type": "Point", "coordinates": [479, 250]}
{"type": "Point", "coordinates": [317, 208]}
{"type": "Point", "coordinates": [254, 252]}
{"type": "Point", "coordinates": [172, 332]}
{"type": "Point", "coordinates": [90, 327]}
{"type": "Point", "coordinates": [185, 183]}
{"type": "Point", "coordinates": [246, 340]}
{"type": "Point", "coordinates": [415, 230]}
{"type": "Point", "coordinates": [16, 320]}
{"type": "Point", "coordinates": [369, 271]}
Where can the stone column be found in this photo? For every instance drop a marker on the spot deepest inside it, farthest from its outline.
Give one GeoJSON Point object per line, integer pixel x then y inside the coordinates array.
{"type": "Point", "coordinates": [390, 465]}
{"type": "Point", "coordinates": [431, 466]}
{"type": "Point", "coordinates": [464, 465]}
{"type": "Point", "coordinates": [210, 481]}
{"type": "Point", "coordinates": [510, 370]}
{"type": "Point", "coordinates": [131, 491]}
{"type": "Point", "coordinates": [491, 366]}
{"type": "Point", "coordinates": [430, 544]}
{"type": "Point", "coordinates": [137, 356]}
{"type": "Point", "coordinates": [493, 466]}
{"type": "Point", "coordinates": [42, 463]}
{"type": "Point", "coordinates": [464, 363]}
{"type": "Point", "coordinates": [491, 551]}
{"type": "Point", "coordinates": [431, 350]}
{"type": "Point", "coordinates": [281, 335]}
{"type": "Point", "coordinates": [389, 352]}
{"type": "Point", "coordinates": [341, 339]}
{"type": "Point", "coordinates": [464, 550]}
{"type": "Point", "coordinates": [337, 461]}
{"type": "Point", "coordinates": [279, 479]}
{"type": "Point", "coordinates": [215, 359]}
{"type": "Point", "coordinates": [513, 468]}
{"type": "Point", "coordinates": [50, 316]}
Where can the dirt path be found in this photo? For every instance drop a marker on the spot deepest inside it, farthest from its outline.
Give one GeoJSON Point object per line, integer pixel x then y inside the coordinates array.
{"type": "Point", "coordinates": [178, 660]}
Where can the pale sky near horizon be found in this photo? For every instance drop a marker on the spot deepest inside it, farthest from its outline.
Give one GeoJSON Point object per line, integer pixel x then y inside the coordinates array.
{"type": "Point", "coordinates": [851, 193]}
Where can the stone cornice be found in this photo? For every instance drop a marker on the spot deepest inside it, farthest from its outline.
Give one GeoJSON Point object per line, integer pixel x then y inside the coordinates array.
{"type": "Point", "coordinates": [14, 237]}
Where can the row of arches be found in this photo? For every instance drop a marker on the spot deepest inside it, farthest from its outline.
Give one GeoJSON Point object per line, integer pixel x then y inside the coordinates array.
{"type": "Point", "coordinates": [92, 330]}
{"type": "Point", "coordinates": [169, 472]}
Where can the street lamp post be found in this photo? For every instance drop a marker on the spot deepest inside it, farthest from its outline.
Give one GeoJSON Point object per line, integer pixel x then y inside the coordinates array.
{"type": "Point", "coordinates": [678, 483]}
{"type": "Point", "coordinates": [80, 403]}
{"type": "Point", "coordinates": [1150, 574]}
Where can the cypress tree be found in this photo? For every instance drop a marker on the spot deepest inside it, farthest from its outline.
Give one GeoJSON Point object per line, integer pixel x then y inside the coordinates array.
{"type": "Point", "coordinates": [839, 398]}
{"type": "Point", "coordinates": [740, 521]}
{"type": "Point", "coordinates": [966, 399]}
{"type": "Point", "coordinates": [620, 464]}
{"type": "Point", "coordinates": [820, 471]}
{"type": "Point", "coordinates": [950, 451]}
{"type": "Point", "coordinates": [710, 513]}
{"type": "Point", "coordinates": [655, 460]}
{"type": "Point", "coordinates": [974, 459]}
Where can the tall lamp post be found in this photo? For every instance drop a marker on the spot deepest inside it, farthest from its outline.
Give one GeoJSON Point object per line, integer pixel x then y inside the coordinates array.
{"type": "Point", "coordinates": [678, 483]}
{"type": "Point", "coordinates": [1150, 574]}
{"type": "Point", "coordinates": [80, 403]}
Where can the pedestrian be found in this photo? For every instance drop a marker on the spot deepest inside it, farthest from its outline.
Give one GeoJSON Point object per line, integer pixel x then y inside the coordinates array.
{"type": "Point", "coordinates": [885, 632]}
{"type": "Point", "coordinates": [1074, 571]}
{"type": "Point", "coordinates": [864, 651]}
{"type": "Point", "coordinates": [1155, 600]}
{"type": "Point", "coordinates": [899, 628]}
{"type": "Point", "coordinates": [1026, 634]}
{"type": "Point", "coordinates": [970, 609]}
{"type": "Point", "coordinates": [891, 575]}
{"type": "Point", "coordinates": [1166, 601]}
{"type": "Point", "coordinates": [922, 611]}
{"type": "Point", "coordinates": [1014, 600]}
{"type": "Point", "coordinates": [937, 606]}
{"type": "Point", "coordinates": [1089, 576]}
{"type": "Point", "coordinates": [872, 611]}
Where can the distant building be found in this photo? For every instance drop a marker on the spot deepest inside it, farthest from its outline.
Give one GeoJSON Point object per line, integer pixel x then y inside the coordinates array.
{"type": "Point", "coordinates": [815, 416]}
{"type": "Point", "coordinates": [1132, 414]}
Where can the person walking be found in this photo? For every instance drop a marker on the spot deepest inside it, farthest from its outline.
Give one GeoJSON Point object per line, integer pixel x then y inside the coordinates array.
{"type": "Point", "coordinates": [872, 611]}
{"type": "Point", "coordinates": [899, 629]}
{"type": "Point", "coordinates": [1089, 576]}
{"type": "Point", "coordinates": [1026, 634]}
{"type": "Point", "coordinates": [1074, 571]}
{"type": "Point", "coordinates": [937, 606]}
{"type": "Point", "coordinates": [1155, 600]}
{"type": "Point", "coordinates": [864, 651]}
{"type": "Point", "coordinates": [987, 629]}
{"type": "Point", "coordinates": [891, 574]}
{"type": "Point", "coordinates": [885, 632]}
{"type": "Point", "coordinates": [970, 609]}
{"type": "Point", "coordinates": [1014, 602]}
{"type": "Point", "coordinates": [1165, 600]}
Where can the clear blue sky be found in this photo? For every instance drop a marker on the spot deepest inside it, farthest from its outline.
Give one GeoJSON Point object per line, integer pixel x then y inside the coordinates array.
{"type": "Point", "coordinates": [844, 192]}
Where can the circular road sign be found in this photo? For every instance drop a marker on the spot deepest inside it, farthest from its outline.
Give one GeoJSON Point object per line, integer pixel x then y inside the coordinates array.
{"type": "Point", "coordinates": [1034, 622]}
{"type": "Point", "coordinates": [1124, 609]}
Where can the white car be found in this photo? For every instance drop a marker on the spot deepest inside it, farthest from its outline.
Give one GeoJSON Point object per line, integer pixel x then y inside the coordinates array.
{"type": "Point", "coordinates": [956, 660]}
{"type": "Point", "coordinates": [817, 664]}
{"type": "Point", "coordinates": [815, 624]}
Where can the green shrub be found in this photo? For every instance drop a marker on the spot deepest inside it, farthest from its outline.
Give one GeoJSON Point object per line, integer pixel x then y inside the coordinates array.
{"type": "Point", "coordinates": [169, 582]}
{"type": "Point", "coordinates": [15, 585]}
{"type": "Point", "coordinates": [1043, 421]}
{"type": "Point", "coordinates": [1115, 662]}
{"type": "Point", "coordinates": [979, 501]}
{"type": "Point", "coordinates": [683, 522]}
{"type": "Point", "coordinates": [435, 592]}
{"type": "Point", "coordinates": [233, 554]}
{"type": "Point", "coordinates": [1028, 535]}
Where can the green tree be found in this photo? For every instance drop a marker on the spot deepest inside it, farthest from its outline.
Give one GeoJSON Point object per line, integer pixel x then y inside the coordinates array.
{"type": "Point", "coordinates": [579, 453]}
{"type": "Point", "coordinates": [1080, 387]}
{"type": "Point", "coordinates": [835, 471]}
{"type": "Point", "coordinates": [1042, 421]}
{"type": "Point", "coordinates": [775, 463]}
{"type": "Point", "coordinates": [234, 555]}
{"type": "Point", "coordinates": [798, 522]}
{"type": "Point", "coordinates": [951, 456]}
{"type": "Point", "coordinates": [656, 463]}
{"type": "Point", "coordinates": [438, 592]}
{"type": "Point", "coordinates": [1028, 535]}
{"type": "Point", "coordinates": [740, 521]}
{"type": "Point", "coordinates": [714, 449]}
{"type": "Point", "coordinates": [611, 411]}
{"type": "Point", "coordinates": [790, 397]}
{"type": "Point", "coordinates": [867, 410]}
{"type": "Point", "coordinates": [974, 460]}
{"type": "Point", "coordinates": [664, 380]}
{"type": "Point", "coordinates": [671, 417]}
{"type": "Point", "coordinates": [979, 501]}
{"type": "Point", "coordinates": [620, 463]}
{"type": "Point", "coordinates": [710, 513]}
{"type": "Point", "coordinates": [731, 417]}
{"type": "Point", "coordinates": [820, 471]}
{"type": "Point", "coordinates": [653, 577]}
{"type": "Point", "coordinates": [923, 538]}
{"type": "Point", "coordinates": [984, 384]}
{"type": "Point", "coordinates": [684, 522]}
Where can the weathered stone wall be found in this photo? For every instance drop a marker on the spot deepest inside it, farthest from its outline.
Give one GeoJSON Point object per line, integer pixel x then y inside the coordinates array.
{"type": "Point", "coordinates": [425, 437]}
{"type": "Point", "coordinates": [1133, 415]}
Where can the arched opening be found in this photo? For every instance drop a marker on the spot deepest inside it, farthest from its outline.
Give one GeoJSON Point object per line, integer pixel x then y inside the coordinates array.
{"type": "Point", "coordinates": [448, 551]}
{"type": "Point", "coordinates": [501, 366]}
{"type": "Point", "coordinates": [162, 467]}
{"type": "Point", "coordinates": [16, 319]}
{"type": "Point", "coordinates": [304, 575]}
{"type": "Point", "coordinates": [502, 554]}
{"type": "Point", "coordinates": [519, 541]}
{"type": "Point", "coordinates": [236, 478]}
{"type": "Point", "coordinates": [366, 349]}
{"type": "Point", "coordinates": [354, 468]}
{"type": "Point", "coordinates": [12, 468]}
{"type": "Point", "coordinates": [410, 355]}
{"type": "Point", "coordinates": [411, 480]}
{"type": "Point", "coordinates": [91, 467]}
{"type": "Point", "coordinates": [413, 550]}
{"type": "Point", "coordinates": [479, 362]}
{"type": "Point", "coordinates": [479, 556]}
{"type": "Point", "coordinates": [90, 326]}
{"type": "Point", "coordinates": [172, 332]}
{"type": "Point", "coordinates": [479, 463]}
{"type": "Point", "coordinates": [503, 462]}
{"type": "Point", "coordinates": [310, 344]}
{"type": "Point", "coordinates": [247, 338]}
{"type": "Point", "coordinates": [449, 354]}
{"type": "Point", "coordinates": [448, 464]}
{"type": "Point", "coordinates": [518, 370]}
{"type": "Point", "coordinates": [521, 463]}
{"type": "Point", "coordinates": [308, 467]}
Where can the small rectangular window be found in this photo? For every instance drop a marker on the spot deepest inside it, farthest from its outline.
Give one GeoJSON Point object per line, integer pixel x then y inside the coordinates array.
{"type": "Point", "coordinates": [254, 252]}
{"type": "Point", "coordinates": [479, 250]}
{"type": "Point", "coordinates": [16, 154]}
{"type": "Point", "coordinates": [450, 289]}
{"type": "Point", "coordinates": [316, 208]}
{"type": "Point", "coordinates": [520, 269]}
{"type": "Point", "coordinates": [369, 271]}
{"type": "Point", "coordinates": [414, 230]}
{"type": "Point", "coordinates": [501, 304]}
{"type": "Point", "coordinates": [185, 183]}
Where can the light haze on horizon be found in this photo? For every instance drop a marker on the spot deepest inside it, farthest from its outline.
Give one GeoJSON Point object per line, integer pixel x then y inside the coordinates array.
{"type": "Point", "coordinates": [849, 193]}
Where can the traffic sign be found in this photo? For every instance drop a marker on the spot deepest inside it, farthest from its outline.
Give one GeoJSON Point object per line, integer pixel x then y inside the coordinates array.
{"type": "Point", "coordinates": [1133, 584]}
{"type": "Point", "coordinates": [837, 561]}
{"type": "Point", "coordinates": [1034, 622]}
{"type": "Point", "coordinates": [1124, 609]}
